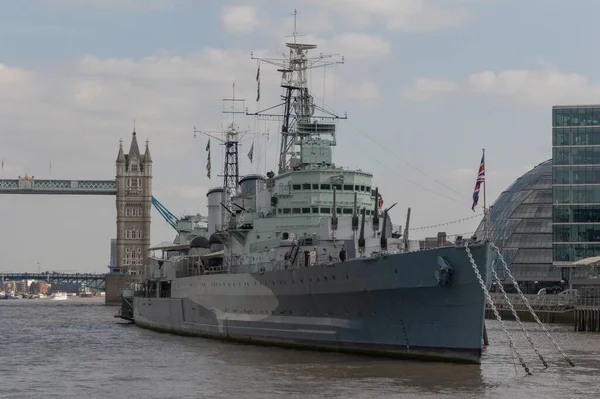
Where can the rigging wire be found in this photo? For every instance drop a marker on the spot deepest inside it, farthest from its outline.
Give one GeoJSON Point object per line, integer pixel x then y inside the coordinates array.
{"type": "Point", "coordinates": [446, 223]}
{"type": "Point", "coordinates": [402, 160]}
{"type": "Point", "coordinates": [406, 178]}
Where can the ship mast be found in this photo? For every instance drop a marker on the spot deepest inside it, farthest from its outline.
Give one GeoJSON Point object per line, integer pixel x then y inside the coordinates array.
{"type": "Point", "coordinates": [298, 105]}
{"type": "Point", "coordinates": [230, 139]}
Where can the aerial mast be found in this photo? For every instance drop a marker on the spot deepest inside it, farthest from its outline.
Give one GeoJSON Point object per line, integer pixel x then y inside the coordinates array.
{"type": "Point", "coordinates": [231, 170]}
{"type": "Point", "coordinates": [298, 105]}
{"type": "Point", "coordinates": [230, 139]}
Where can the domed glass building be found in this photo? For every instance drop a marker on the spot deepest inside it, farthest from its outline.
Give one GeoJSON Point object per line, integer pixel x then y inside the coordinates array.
{"type": "Point", "coordinates": [521, 226]}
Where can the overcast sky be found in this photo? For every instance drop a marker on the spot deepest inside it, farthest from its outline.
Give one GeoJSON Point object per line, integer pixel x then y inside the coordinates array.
{"type": "Point", "coordinates": [426, 84]}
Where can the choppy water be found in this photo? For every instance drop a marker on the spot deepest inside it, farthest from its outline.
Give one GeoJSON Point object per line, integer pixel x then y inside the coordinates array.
{"type": "Point", "coordinates": [75, 349]}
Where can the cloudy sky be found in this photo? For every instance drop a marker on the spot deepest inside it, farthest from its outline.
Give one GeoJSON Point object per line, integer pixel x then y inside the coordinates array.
{"type": "Point", "coordinates": [426, 84]}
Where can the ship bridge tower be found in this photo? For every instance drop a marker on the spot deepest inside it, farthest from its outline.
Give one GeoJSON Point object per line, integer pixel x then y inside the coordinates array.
{"type": "Point", "coordinates": [300, 124]}
{"type": "Point", "coordinates": [134, 206]}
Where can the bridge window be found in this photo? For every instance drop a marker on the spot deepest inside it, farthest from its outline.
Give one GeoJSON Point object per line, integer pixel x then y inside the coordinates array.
{"type": "Point", "coordinates": [306, 186]}
{"type": "Point", "coordinates": [325, 186]}
{"type": "Point", "coordinates": [135, 183]}
{"type": "Point", "coordinates": [296, 186]}
{"type": "Point", "coordinates": [347, 211]}
{"type": "Point", "coordinates": [348, 187]}
{"type": "Point", "coordinates": [139, 212]}
{"type": "Point", "coordinates": [134, 167]}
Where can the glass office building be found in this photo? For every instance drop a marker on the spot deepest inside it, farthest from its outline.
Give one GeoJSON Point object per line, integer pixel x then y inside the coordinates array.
{"type": "Point", "coordinates": [575, 183]}
{"type": "Point", "coordinates": [521, 226]}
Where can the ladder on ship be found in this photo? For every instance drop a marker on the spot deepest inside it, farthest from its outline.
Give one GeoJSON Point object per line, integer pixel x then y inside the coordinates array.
{"type": "Point", "coordinates": [292, 255]}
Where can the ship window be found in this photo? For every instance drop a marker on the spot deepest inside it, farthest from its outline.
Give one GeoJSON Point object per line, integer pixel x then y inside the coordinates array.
{"type": "Point", "coordinates": [295, 210]}
{"type": "Point", "coordinates": [348, 187]}
{"type": "Point", "coordinates": [315, 186]}
{"type": "Point", "coordinates": [337, 186]}
{"type": "Point", "coordinates": [325, 210]}
{"type": "Point", "coordinates": [368, 188]}
{"type": "Point", "coordinates": [296, 186]}
{"type": "Point", "coordinates": [339, 210]}
{"type": "Point", "coordinates": [305, 210]}
{"type": "Point", "coordinates": [286, 211]}
{"type": "Point", "coordinates": [325, 186]}
{"type": "Point", "coordinates": [306, 186]}
{"type": "Point", "coordinates": [347, 211]}
{"type": "Point", "coordinates": [362, 188]}
{"type": "Point", "coordinates": [279, 210]}
{"type": "Point", "coordinates": [357, 188]}
{"type": "Point", "coordinates": [315, 210]}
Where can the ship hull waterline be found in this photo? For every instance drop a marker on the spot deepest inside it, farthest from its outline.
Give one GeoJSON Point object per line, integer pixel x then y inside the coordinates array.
{"type": "Point", "coordinates": [391, 306]}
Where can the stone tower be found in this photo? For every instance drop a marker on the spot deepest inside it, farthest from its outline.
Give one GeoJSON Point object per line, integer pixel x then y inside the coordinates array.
{"type": "Point", "coordinates": [134, 206]}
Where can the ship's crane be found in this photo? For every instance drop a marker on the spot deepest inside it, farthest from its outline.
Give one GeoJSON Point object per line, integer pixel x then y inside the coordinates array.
{"type": "Point", "coordinates": [165, 213]}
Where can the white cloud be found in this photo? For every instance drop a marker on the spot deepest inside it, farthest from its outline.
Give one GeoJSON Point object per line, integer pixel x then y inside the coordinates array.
{"type": "Point", "coordinates": [537, 87]}
{"type": "Point", "coordinates": [239, 18]}
{"type": "Point", "coordinates": [425, 89]}
{"type": "Point", "coordinates": [358, 46]}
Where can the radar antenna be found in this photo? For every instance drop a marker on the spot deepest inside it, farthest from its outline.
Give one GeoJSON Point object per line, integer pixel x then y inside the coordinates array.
{"type": "Point", "coordinates": [299, 121]}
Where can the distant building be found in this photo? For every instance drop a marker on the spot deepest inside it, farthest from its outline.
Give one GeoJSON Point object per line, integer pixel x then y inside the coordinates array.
{"type": "Point", "coordinates": [521, 226]}
{"type": "Point", "coordinates": [576, 183]}
{"type": "Point", "coordinates": [434, 242]}
{"type": "Point", "coordinates": [550, 217]}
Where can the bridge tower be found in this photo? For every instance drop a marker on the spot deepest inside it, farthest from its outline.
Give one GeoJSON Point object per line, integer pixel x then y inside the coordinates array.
{"type": "Point", "coordinates": [134, 206]}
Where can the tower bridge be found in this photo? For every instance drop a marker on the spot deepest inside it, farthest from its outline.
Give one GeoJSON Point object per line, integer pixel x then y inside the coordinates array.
{"type": "Point", "coordinates": [132, 189]}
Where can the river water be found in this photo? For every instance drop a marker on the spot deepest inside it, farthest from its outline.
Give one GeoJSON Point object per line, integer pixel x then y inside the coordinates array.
{"type": "Point", "coordinates": [75, 348]}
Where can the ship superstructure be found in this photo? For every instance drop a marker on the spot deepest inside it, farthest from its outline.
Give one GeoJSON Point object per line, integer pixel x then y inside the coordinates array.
{"type": "Point", "coordinates": [306, 257]}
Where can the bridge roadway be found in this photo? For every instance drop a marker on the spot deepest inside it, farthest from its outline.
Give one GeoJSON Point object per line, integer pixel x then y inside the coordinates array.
{"type": "Point", "coordinates": [29, 185]}
{"type": "Point", "coordinates": [94, 281]}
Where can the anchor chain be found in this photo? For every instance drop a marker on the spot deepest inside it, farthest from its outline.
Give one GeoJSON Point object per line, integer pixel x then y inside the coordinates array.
{"type": "Point", "coordinates": [517, 318]}
{"type": "Point", "coordinates": [493, 306]}
{"type": "Point", "coordinates": [524, 299]}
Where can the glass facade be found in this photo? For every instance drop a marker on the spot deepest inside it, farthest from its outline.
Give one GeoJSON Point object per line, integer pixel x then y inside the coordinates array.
{"type": "Point", "coordinates": [575, 183]}
{"type": "Point", "coordinates": [521, 226]}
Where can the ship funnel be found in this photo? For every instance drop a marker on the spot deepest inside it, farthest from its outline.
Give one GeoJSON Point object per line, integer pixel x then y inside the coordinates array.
{"type": "Point", "coordinates": [214, 209]}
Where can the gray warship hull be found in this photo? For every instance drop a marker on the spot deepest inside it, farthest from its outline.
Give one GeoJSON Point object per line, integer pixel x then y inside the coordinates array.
{"type": "Point", "coordinates": [392, 305]}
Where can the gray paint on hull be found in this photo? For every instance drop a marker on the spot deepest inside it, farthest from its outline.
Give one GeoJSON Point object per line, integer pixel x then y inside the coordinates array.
{"type": "Point", "coordinates": [389, 306]}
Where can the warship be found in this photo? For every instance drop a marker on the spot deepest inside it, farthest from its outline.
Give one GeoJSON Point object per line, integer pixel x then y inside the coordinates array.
{"type": "Point", "coordinates": [306, 257]}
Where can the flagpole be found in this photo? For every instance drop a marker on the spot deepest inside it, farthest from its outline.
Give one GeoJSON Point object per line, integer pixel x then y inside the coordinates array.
{"type": "Point", "coordinates": [485, 210]}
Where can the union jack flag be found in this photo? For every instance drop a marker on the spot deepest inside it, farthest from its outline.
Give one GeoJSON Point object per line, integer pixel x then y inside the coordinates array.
{"type": "Point", "coordinates": [480, 179]}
